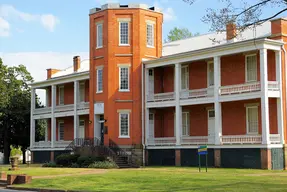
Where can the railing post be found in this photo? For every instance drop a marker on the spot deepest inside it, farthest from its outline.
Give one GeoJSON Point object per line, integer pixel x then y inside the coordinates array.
{"type": "Point", "coordinates": [178, 108]}
{"type": "Point", "coordinates": [32, 120]}
{"type": "Point", "coordinates": [279, 100]}
{"type": "Point", "coordinates": [217, 104]}
{"type": "Point", "coordinates": [264, 97]}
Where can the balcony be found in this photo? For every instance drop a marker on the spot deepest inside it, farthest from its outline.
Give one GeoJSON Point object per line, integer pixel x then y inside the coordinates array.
{"type": "Point", "coordinates": [196, 93]}
{"type": "Point", "coordinates": [161, 97]}
{"type": "Point", "coordinates": [194, 140]}
{"type": "Point", "coordinates": [83, 105]}
{"type": "Point", "coordinates": [40, 111]}
{"type": "Point", "coordinates": [64, 108]}
{"type": "Point", "coordinates": [47, 144]}
{"type": "Point", "coordinates": [162, 141]}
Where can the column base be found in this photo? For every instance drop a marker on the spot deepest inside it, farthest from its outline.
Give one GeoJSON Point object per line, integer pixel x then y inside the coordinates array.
{"type": "Point", "coordinates": [52, 156]}
{"type": "Point", "coordinates": [177, 157]}
{"type": "Point", "coordinates": [217, 157]}
{"type": "Point", "coordinates": [266, 159]}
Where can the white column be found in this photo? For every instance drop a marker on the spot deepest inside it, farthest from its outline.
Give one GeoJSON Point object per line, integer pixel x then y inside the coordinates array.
{"type": "Point", "coordinates": [53, 119]}
{"type": "Point", "coordinates": [178, 109]}
{"type": "Point", "coordinates": [217, 104]}
{"type": "Point", "coordinates": [146, 84]}
{"type": "Point", "coordinates": [279, 100]}
{"type": "Point", "coordinates": [46, 130]}
{"type": "Point", "coordinates": [264, 97]}
{"type": "Point", "coordinates": [146, 125]}
{"type": "Point", "coordinates": [76, 99]}
{"type": "Point", "coordinates": [32, 120]}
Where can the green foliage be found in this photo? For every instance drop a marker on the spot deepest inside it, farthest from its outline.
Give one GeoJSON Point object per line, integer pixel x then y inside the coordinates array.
{"type": "Point", "coordinates": [178, 34]}
{"type": "Point", "coordinates": [66, 159]}
{"type": "Point", "coordinates": [49, 164]}
{"type": "Point", "coordinates": [103, 165]}
{"type": "Point", "coordinates": [15, 151]}
{"type": "Point", "coordinates": [75, 165]}
{"type": "Point", "coordinates": [85, 161]}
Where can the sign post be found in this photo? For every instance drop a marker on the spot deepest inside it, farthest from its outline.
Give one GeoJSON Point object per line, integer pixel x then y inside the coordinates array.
{"type": "Point", "coordinates": [202, 150]}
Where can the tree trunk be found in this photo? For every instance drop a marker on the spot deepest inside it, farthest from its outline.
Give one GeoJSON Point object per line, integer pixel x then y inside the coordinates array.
{"type": "Point", "coordinates": [24, 155]}
{"type": "Point", "coordinates": [6, 147]}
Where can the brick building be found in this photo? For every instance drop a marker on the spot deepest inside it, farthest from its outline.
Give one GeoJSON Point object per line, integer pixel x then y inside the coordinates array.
{"type": "Point", "coordinates": [163, 100]}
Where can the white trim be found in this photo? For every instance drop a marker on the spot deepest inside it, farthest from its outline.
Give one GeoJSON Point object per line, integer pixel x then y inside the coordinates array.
{"type": "Point", "coordinates": [251, 104]}
{"type": "Point", "coordinates": [60, 122]}
{"type": "Point", "coordinates": [246, 76]}
{"type": "Point", "coordinates": [59, 96]}
{"type": "Point", "coordinates": [124, 111]}
{"type": "Point", "coordinates": [124, 65]}
{"type": "Point", "coordinates": [124, 44]}
{"type": "Point", "coordinates": [100, 67]}
{"type": "Point", "coordinates": [150, 21]}
{"type": "Point", "coordinates": [247, 120]}
{"type": "Point", "coordinates": [124, 19]}
{"type": "Point", "coordinates": [100, 91]}
{"type": "Point", "coordinates": [99, 22]}
{"type": "Point", "coordinates": [128, 89]}
{"type": "Point", "coordinates": [124, 136]}
{"type": "Point", "coordinates": [102, 35]}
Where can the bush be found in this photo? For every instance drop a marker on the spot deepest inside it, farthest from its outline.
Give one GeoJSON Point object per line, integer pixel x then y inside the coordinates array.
{"type": "Point", "coordinates": [85, 161]}
{"type": "Point", "coordinates": [75, 165]}
{"type": "Point", "coordinates": [66, 159]}
{"type": "Point", "coordinates": [49, 164]}
{"type": "Point", "coordinates": [103, 165]}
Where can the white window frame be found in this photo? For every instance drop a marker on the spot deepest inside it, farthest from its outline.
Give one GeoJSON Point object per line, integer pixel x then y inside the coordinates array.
{"type": "Point", "coordinates": [100, 69]}
{"type": "Point", "coordinates": [124, 112]}
{"type": "Point", "coordinates": [123, 67]}
{"type": "Point", "coordinates": [81, 120]}
{"type": "Point", "coordinates": [152, 34]}
{"type": "Point", "coordinates": [246, 75]}
{"type": "Point", "coordinates": [247, 120]}
{"type": "Point", "coordinates": [186, 78]}
{"type": "Point", "coordinates": [82, 90]}
{"type": "Point", "coordinates": [187, 124]}
{"type": "Point", "coordinates": [59, 137]}
{"type": "Point", "coordinates": [61, 87]}
{"type": "Point", "coordinates": [120, 42]}
{"type": "Point", "coordinates": [99, 37]}
{"type": "Point", "coordinates": [208, 78]}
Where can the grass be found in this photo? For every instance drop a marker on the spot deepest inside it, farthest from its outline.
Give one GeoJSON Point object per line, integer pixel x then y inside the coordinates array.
{"type": "Point", "coordinates": [37, 170]}
{"type": "Point", "coordinates": [170, 179]}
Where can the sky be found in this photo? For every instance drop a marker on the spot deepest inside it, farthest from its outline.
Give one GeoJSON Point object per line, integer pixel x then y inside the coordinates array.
{"type": "Point", "coordinates": [47, 34]}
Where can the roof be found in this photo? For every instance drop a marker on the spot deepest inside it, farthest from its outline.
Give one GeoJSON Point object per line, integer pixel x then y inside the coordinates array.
{"type": "Point", "coordinates": [85, 66]}
{"type": "Point", "coordinates": [206, 40]}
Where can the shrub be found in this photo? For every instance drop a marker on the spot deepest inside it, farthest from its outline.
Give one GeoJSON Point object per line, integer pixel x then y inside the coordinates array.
{"type": "Point", "coordinates": [66, 159]}
{"type": "Point", "coordinates": [103, 165]}
{"type": "Point", "coordinates": [85, 161]}
{"type": "Point", "coordinates": [49, 164]}
{"type": "Point", "coordinates": [75, 165]}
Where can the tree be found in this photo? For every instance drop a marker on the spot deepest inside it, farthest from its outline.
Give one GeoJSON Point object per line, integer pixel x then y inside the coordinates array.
{"type": "Point", "coordinates": [245, 16]}
{"type": "Point", "coordinates": [15, 95]}
{"type": "Point", "coordinates": [178, 34]}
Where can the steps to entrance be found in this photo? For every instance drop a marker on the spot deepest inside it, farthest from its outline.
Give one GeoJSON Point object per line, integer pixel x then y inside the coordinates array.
{"type": "Point", "coordinates": [3, 183]}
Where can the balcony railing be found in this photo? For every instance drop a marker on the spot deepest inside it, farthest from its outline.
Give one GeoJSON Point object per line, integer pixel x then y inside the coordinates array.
{"type": "Point", "coordinates": [240, 88]}
{"type": "Point", "coordinates": [161, 97]}
{"type": "Point", "coordinates": [61, 144]}
{"type": "Point", "coordinates": [241, 139]}
{"type": "Point", "coordinates": [43, 110]}
{"type": "Point", "coordinates": [275, 138]}
{"type": "Point", "coordinates": [196, 93]}
{"type": "Point", "coordinates": [61, 108]}
{"type": "Point", "coordinates": [194, 140]}
{"type": "Point", "coordinates": [273, 86]}
{"type": "Point", "coordinates": [42, 144]}
{"type": "Point", "coordinates": [162, 141]}
{"type": "Point", "coordinates": [83, 105]}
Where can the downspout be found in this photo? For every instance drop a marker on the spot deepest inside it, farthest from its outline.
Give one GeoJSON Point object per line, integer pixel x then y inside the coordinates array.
{"type": "Point", "coordinates": [143, 128]}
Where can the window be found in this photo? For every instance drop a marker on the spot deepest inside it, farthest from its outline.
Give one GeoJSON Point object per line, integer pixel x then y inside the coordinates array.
{"type": "Point", "coordinates": [124, 124]}
{"type": "Point", "coordinates": [61, 95]}
{"type": "Point", "coordinates": [99, 35]}
{"type": "Point", "coordinates": [210, 71]}
{"type": "Point", "coordinates": [82, 92]}
{"type": "Point", "coordinates": [61, 131]}
{"type": "Point", "coordinates": [124, 33]}
{"type": "Point", "coordinates": [99, 80]}
{"type": "Point", "coordinates": [150, 35]}
{"type": "Point", "coordinates": [184, 77]}
{"type": "Point", "coordinates": [251, 68]}
{"type": "Point", "coordinates": [124, 78]}
{"type": "Point", "coordinates": [185, 123]}
{"type": "Point", "coordinates": [252, 119]}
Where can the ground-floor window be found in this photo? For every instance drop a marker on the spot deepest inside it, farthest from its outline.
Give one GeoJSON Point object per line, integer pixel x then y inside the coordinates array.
{"type": "Point", "coordinates": [252, 119]}
{"type": "Point", "coordinates": [61, 131]}
{"type": "Point", "coordinates": [124, 124]}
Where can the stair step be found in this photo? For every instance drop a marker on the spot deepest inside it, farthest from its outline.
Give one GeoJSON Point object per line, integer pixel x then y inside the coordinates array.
{"type": "Point", "coordinates": [3, 183]}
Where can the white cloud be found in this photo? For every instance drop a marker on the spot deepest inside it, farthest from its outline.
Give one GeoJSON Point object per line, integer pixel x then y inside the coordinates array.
{"type": "Point", "coordinates": [4, 28]}
{"type": "Point", "coordinates": [9, 12]}
{"type": "Point", "coordinates": [168, 12]}
{"type": "Point", "coordinates": [37, 63]}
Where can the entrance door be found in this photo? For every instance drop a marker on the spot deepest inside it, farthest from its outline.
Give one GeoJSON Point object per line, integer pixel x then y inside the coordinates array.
{"type": "Point", "coordinates": [102, 129]}
{"type": "Point", "coordinates": [151, 125]}
{"type": "Point", "coordinates": [82, 129]}
{"type": "Point", "coordinates": [211, 126]}
{"type": "Point", "coordinates": [151, 81]}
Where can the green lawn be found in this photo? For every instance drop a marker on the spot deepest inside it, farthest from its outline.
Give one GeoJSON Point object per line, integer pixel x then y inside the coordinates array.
{"type": "Point", "coordinates": [170, 179]}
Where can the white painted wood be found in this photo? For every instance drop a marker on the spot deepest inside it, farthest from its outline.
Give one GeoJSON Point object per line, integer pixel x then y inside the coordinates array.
{"type": "Point", "coordinates": [81, 130]}
{"type": "Point", "coordinates": [211, 126]}
{"type": "Point", "coordinates": [264, 97]}
{"type": "Point", "coordinates": [217, 104]}
{"type": "Point", "coordinates": [76, 99]}
{"type": "Point", "coordinates": [151, 125]}
{"type": "Point", "coordinates": [178, 108]}
{"type": "Point", "coordinates": [151, 81]}
{"type": "Point", "coordinates": [97, 127]}
{"type": "Point", "coordinates": [53, 119]}
{"type": "Point", "coordinates": [147, 125]}
{"type": "Point", "coordinates": [32, 121]}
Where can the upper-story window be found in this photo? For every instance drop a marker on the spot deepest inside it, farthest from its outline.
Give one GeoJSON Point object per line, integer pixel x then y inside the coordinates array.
{"type": "Point", "coordinates": [99, 80]}
{"type": "Point", "coordinates": [250, 68]}
{"type": "Point", "coordinates": [210, 73]}
{"type": "Point", "coordinates": [150, 35]}
{"type": "Point", "coordinates": [184, 77]}
{"type": "Point", "coordinates": [124, 78]}
{"type": "Point", "coordinates": [124, 33]}
{"type": "Point", "coordinates": [61, 95]}
{"type": "Point", "coordinates": [252, 119]}
{"type": "Point", "coordinates": [82, 92]}
{"type": "Point", "coordinates": [99, 35]}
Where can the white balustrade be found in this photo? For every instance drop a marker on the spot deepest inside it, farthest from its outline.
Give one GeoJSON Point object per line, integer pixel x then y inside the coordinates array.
{"type": "Point", "coordinates": [161, 141]}
{"type": "Point", "coordinates": [62, 108]}
{"type": "Point", "coordinates": [194, 140]}
{"type": "Point", "coordinates": [241, 139]}
{"type": "Point", "coordinates": [273, 86]}
{"type": "Point", "coordinates": [240, 88]}
{"type": "Point", "coordinates": [83, 105]}
{"type": "Point", "coordinates": [61, 144]}
{"type": "Point", "coordinates": [43, 110]}
{"type": "Point", "coordinates": [42, 144]}
{"type": "Point", "coordinates": [194, 93]}
{"type": "Point", "coordinates": [161, 97]}
{"type": "Point", "coordinates": [275, 138]}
